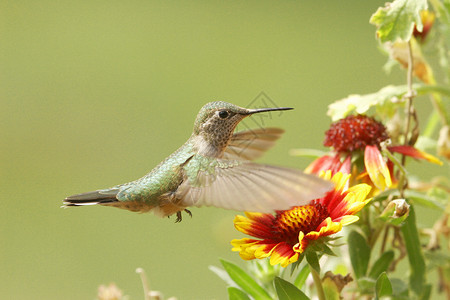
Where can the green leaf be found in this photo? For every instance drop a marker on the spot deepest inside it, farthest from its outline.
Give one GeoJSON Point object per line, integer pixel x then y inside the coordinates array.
{"type": "Point", "coordinates": [330, 289]}
{"type": "Point", "coordinates": [382, 264]}
{"type": "Point", "coordinates": [366, 285]}
{"type": "Point", "coordinates": [430, 201]}
{"type": "Point", "coordinates": [397, 19]}
{"type": "Point", "coordinates": [287, 291]}
{"type": "Point", "coordinates": [222, 275]}
{"type": "Point", "coordinates": [313, 260]}
{"type": "Point", "coordinates": [295, 265]}
{"type": "Point", "coordinates": [381, 100]}
{"type": "Point", "coordinates": [429, 89]}
{"type": "Point", "coordinates": [399, 287]}
{"type": "Point", "coordinates": [244, 281]}
{"type": "Point", "coordinates": [301, 277]}
{"type": "Point", "coordinates": [359, 253]}
{"type": "Point", "coordinates": [236, 294]}
{"type": "Point", "coordinates": [362, 103]}
{"type": "Point", "coordinates": [437, 258]}
{"type": "Point", "coordinates": [383, 286]}
{"type": "Point", "coordinates": [327, 250]}
{"type": "Point", "coordinates": [426, 293]}
{"type": "Point", "coordinates": [415, 256]}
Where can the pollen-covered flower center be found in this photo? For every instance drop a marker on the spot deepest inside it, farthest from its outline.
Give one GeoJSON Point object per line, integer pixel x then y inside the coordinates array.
{"type": "Point", "coordinates": [355, 132]}
{"type": "Point", "coordinates": [289, 223]}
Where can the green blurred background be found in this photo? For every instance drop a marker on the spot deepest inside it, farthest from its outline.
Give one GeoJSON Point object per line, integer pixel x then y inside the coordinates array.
{"type": "Point", "coordinates": [96, 93]}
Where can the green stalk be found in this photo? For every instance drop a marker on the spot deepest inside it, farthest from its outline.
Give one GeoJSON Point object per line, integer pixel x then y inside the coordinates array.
{"type": "Point", "coordinates": [318, 283]}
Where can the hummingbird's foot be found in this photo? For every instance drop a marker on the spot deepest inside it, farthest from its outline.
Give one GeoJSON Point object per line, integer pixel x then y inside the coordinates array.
{"type": "Point", "coordinates": [180, 217]}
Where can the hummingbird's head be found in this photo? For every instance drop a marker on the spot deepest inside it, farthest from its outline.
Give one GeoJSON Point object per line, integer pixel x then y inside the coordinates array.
{"type": "Point", "coordinates": [217, 120]}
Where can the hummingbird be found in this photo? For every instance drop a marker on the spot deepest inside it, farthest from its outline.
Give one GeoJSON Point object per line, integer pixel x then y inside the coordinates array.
{"type": "Point", "coordinates": [214, 168]}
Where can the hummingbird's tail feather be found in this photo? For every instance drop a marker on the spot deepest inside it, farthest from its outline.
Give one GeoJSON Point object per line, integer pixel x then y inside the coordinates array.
{"type": "Point", "coordinates": [92, 198]}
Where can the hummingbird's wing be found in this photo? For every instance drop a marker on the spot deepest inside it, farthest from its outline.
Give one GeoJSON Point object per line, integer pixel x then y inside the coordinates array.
{"type": "Point", "coordinates": [246, 186]}
{"type": "Point", "coordinates": [251, 144]}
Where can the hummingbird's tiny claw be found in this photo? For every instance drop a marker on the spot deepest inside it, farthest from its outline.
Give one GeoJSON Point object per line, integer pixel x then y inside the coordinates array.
{"type": "Point", "coordinates": [179, 217]}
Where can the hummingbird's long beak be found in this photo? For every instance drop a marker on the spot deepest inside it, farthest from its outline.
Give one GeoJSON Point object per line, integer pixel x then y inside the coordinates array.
{"type": "Point", "coordinates": [259, 110]}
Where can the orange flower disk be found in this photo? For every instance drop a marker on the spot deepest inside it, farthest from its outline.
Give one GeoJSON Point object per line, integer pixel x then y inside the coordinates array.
{"type": "Point", "coordinates": [286, 235]}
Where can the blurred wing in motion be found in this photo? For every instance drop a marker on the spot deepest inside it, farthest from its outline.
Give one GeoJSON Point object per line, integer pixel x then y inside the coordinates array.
{"type": "Point", "coordinates": [251, 144]}
{"type": "Point", "coordinates": [246, 186]}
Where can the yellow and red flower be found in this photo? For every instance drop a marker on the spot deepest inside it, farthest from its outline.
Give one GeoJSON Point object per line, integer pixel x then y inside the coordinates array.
{"type": "Point", "coordinates": [286, 235]}
{"type": "Point", "coordinates": [360, 135]}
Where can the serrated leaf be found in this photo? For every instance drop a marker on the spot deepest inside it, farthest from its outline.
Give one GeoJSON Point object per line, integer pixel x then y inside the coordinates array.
{"type": "Point", "coordinates": [237, 294]}
{"type": "Point", "coordinates": [244, 281]}
{"type": "Point", "coordinates": [362, 103]}
{"type": "Point", "coordinates": [382, 100]}
{"type": "Point", "coordinates": [382, 264]}
{"type": "Point", "coordinates": [415, 256]}
{"type": "Point", "coordinates": [313, 260]}
{"type": "Point", "coordinates": [359, 253]}
{"type": "Point", "coordinates": [383, 286]}
{"type": "Point", "coordinates": [397, 19]}
{"type": "Point", "coordinates": [301, 277]}
{"type": "Point", "coordinates": [287, 291]}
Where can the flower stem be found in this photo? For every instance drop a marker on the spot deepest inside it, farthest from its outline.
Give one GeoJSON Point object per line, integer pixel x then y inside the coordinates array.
{"type": "Point", "coordinates": [410, 113]}
{"type": "Point", "coordinates": [143, 276]}
{"type": "Point", "coordinates": [318, 283]}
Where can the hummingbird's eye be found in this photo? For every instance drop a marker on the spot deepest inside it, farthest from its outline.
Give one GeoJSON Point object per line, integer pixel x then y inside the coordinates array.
{"type": "Point", "coordinates": [223, 114]}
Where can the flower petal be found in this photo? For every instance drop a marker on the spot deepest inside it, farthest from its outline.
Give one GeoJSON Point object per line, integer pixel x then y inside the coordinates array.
{"type": "Point", "coordinates": [332, 163]}
{"type": "Point", "coordinates": [276, 236]}
{"type": "Point", "coordinates": [302, 243]}
{"type": "Point", "coordinates": [283, 254]}
{"type": "Point", "coordinates": [320, 164]}
{"type": "Point", "coordinates": [415, 153]}
{"type": "Point", "coordinates": [347, 220]}
{"type": "Point", "coordinates": [377, 168]}
{"type": "Point", "coordinates": [257, 227]}
{"type": "Point", "coordinates": [327, 227]}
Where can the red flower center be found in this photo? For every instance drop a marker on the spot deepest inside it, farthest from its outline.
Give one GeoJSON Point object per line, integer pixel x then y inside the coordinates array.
{"type": "Point", "coordinates": [288, 224]}
{"type": "Point", "coordinates": [354, 133]}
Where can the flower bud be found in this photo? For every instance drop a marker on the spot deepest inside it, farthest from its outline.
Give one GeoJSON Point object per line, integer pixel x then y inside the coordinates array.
{"type": "Point", "coordinates": [401, 208]}
{"type": "Point", "coordinates": [395, 212]}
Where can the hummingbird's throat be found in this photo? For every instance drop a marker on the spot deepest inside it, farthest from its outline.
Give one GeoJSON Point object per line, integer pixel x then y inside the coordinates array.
{"type": "Point", "coordinates": [208, 148]}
